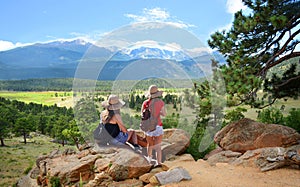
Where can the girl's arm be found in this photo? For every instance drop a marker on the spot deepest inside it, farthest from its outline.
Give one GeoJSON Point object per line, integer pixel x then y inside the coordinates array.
{"type": "Point", "coordinates": [163, 111]}
{"type": "Point", "coordinates": [142, 108]}
{"type": "Point", "coordinates": [120, 122]}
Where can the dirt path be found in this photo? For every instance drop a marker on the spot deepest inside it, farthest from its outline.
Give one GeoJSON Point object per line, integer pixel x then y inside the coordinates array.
{"type": "Point", "coordinates": [232, 176]}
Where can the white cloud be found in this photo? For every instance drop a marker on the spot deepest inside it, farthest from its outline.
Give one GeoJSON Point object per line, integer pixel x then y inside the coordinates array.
{"type": "Point", "coordinates": [233, 6]}
{"type": "Point", "coordinates": [7, 45]}
{"type": "Point", "coordinates": [157, 14]}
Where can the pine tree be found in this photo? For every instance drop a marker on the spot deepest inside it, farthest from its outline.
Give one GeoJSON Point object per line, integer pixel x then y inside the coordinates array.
{"type": "Point", "coordinates": [258, 41]}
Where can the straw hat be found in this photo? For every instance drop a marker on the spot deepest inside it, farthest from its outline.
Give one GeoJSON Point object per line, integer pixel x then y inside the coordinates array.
{"type": "Point", "coordinates": [153, 92]}
{"type": "Point", "coordinates": [113, 103]}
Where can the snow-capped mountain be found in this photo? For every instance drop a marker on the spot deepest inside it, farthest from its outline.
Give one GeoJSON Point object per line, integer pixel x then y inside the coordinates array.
{"type": "Point", "coordinates": [150, 53]}
{"type": "Point", "coordinates": [59, 59]}
{"type": "Point", "coordinates": [78, 45]}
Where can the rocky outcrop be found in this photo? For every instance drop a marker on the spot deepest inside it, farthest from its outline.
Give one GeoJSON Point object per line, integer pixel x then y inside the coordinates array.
{"type": "Point", "coordinates": [264, 158]}
{"type": "Point", "coordinates": [254, 144]}
{"type": "Point", "coordinates": [247, 134]}
{"type": "Point", "coordinates": [107, 166]}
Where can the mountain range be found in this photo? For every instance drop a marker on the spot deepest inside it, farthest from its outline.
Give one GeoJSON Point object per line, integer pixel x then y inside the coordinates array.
{"type": "Point", "coordinates": [60, 59]}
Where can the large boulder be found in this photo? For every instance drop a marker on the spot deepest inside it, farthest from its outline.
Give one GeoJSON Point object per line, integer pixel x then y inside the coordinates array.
{"type": "Point", "coordinates": [175, 142]}
{"type": "Point", "coordinates": [127, 164]}
{"type": "Point", "coordinates": [247, 134]}
{"type": "Point", "coordinates": [69, 168]}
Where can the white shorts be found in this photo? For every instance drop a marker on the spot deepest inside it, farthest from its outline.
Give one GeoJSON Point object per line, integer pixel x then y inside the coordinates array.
{"type": "Point", "coordinates": [157, 132]}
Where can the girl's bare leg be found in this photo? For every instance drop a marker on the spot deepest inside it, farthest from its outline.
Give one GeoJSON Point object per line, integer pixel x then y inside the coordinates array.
{"type": "Point", "coordinates": [132, 138]}
{"type": "Point", "coordinates": [157, 148]}
{"type": "Point", "coordinates": [150, 144]}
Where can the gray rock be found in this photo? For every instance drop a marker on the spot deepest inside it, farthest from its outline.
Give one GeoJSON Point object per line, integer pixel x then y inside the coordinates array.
{"type": "Point", "coordinates": [27, 181]}
{"type": "Point", "coordinates": [173, 176]}
{"type": "Point", "coordinates": [223, 157]}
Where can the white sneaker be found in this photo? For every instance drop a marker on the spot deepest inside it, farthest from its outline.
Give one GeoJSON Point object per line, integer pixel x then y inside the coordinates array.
{"type": "Point", "coordinates": [156, 165]}
{"type": "Point", "coordinates": [148, 159]}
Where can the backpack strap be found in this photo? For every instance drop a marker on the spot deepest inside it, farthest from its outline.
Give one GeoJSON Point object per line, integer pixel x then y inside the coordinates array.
{"type": "Point", "coordinates": [148, 103]}
{"type": "Point", "coordinates": [152, 107]}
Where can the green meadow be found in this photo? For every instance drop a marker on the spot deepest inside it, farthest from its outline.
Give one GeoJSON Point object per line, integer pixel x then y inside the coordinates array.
{"type": "Point", "coordinates": [46, 97]}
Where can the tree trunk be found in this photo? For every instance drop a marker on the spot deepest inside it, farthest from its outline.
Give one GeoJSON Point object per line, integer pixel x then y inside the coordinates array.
{"type": "Point", "coordinates": [76, 143]}
{"type": "Point", "coordinates": [2, 142]}
{"type": "Point", "coordinates": [24, 136]}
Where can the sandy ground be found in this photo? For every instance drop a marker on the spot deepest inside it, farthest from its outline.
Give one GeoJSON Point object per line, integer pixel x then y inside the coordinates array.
{"type": "Point", "coordinates": [223, 174]}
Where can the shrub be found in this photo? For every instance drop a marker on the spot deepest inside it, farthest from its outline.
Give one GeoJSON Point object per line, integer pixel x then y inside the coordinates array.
{"type": "Point", "coordinates": [199, 137]}
{"type": "Point", "coordinates": [171, 121]}
{"type": "Point", "coordinates": [293, 119]}
{"type": "Point", "coordinates": [235, 114]}
{"type": "Point", "coordinates": [27, 170]}
{"type": "Point", "coordinates": [271, 115]}
{"type": "Point", "coordinates": [55, 182]}
{"type": "Point", "coordinates": [12, 160]}
{"type": "Point", "coordinates": [274, 115]}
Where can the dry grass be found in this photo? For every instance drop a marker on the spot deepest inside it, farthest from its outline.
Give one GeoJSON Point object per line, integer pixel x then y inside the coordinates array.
{"type": "Point", "coordinates": [288, 105]}
{"type": "Point", "coordinates": [17, 158]}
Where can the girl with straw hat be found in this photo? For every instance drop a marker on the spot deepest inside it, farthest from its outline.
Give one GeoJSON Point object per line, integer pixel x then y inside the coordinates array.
{"type": "Point", "coordinates": [154, 138]}
{"type": "Point", "coordinates": [112, 120]}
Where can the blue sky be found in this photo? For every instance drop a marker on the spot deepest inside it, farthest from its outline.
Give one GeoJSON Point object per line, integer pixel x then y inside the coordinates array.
{"type": "Point", "coordinates": [29, 21]}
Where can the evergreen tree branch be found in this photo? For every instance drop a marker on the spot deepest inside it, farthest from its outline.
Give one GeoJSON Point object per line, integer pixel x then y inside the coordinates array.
{"type": "Point", "coordinates": [292, 24]}
{"type": "Point", "coordinates": [269, 104]}
{"type": "Point", "coordinates": [286, 82]}
{"type": "Point", "coordinates": [286, 57]}
{"type": "Point", "coordinates": [283, 48]}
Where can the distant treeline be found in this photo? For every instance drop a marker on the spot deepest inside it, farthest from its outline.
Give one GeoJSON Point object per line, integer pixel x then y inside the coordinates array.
{"type": "Point", "coordinates": [67, 84]}
{"type": "Point", "coordinates": [37, 85]}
